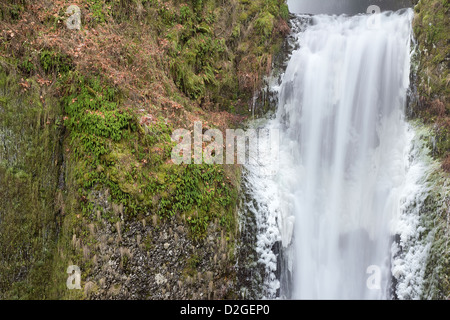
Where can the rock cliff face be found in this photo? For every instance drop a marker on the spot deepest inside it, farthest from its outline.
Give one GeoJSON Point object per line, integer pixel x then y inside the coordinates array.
{"type": "Point", "coordinates": [430, 107]}
{"type": "Point", "coordinates": [86, 117]}
{"type": "Point", "coordinates": [431, 30]}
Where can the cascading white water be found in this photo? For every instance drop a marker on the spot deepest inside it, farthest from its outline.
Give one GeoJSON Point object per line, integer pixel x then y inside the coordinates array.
{"type": "Point", "coordinates": [342, 103]}
{"type": "Point", "coordinates": [343, 162]}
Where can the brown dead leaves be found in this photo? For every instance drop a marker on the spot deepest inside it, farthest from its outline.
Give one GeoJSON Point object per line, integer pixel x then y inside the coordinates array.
{"type": "Point", "coordinates": [132, 57]}
{"type": "Point", "coordinates": [446, 163]}
{"type": "Point", "coordinates": [25, 85]}
{"type": "Point", "coordinates": [42, 81]}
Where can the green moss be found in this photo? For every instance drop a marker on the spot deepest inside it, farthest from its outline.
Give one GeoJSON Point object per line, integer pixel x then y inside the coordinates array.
{"type": "Point", "coordinates": [434, 214]}
{"type": "Point", "coordinates": [202, 56]}
{"type": "Point", "coordinates": [284, 11]}
{"type": "Point", "coordinates": [431, 25]}
{"type": "Point", "coordinates": [192, 264]}
{"type": "Point", "coordinates": [93, 118]}
{"type": "Point", "coordinates": [51, 62]}
{"type": "Point", "coordinates": [203, 194]}
{"type": "Point", "coordinates": [27, 66]}
{"type": "Point", "coordinates": [195, 53]}
{"type": "Point", "coordinates": [264, 24]}
{"type": "Point", "coordinates": [29, 171]}
{"type": "Point", "coordinates": [11, 11]}
{"type": "Point", "coordinates": [100, 10]}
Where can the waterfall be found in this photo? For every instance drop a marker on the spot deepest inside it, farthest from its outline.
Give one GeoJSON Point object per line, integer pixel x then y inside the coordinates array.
{"type": "Point", "coordinates": [345, 168]}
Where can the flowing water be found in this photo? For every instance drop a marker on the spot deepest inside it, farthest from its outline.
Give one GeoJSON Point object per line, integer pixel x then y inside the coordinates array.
{"type": "Point", "coordinates": [345, 167]}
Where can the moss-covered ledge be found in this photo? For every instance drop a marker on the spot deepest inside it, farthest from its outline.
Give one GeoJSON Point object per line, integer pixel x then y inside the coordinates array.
{"type": "Point", "coordinates": [430, 107]}
{"type": "Point", "coordinates": [432, 33]}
